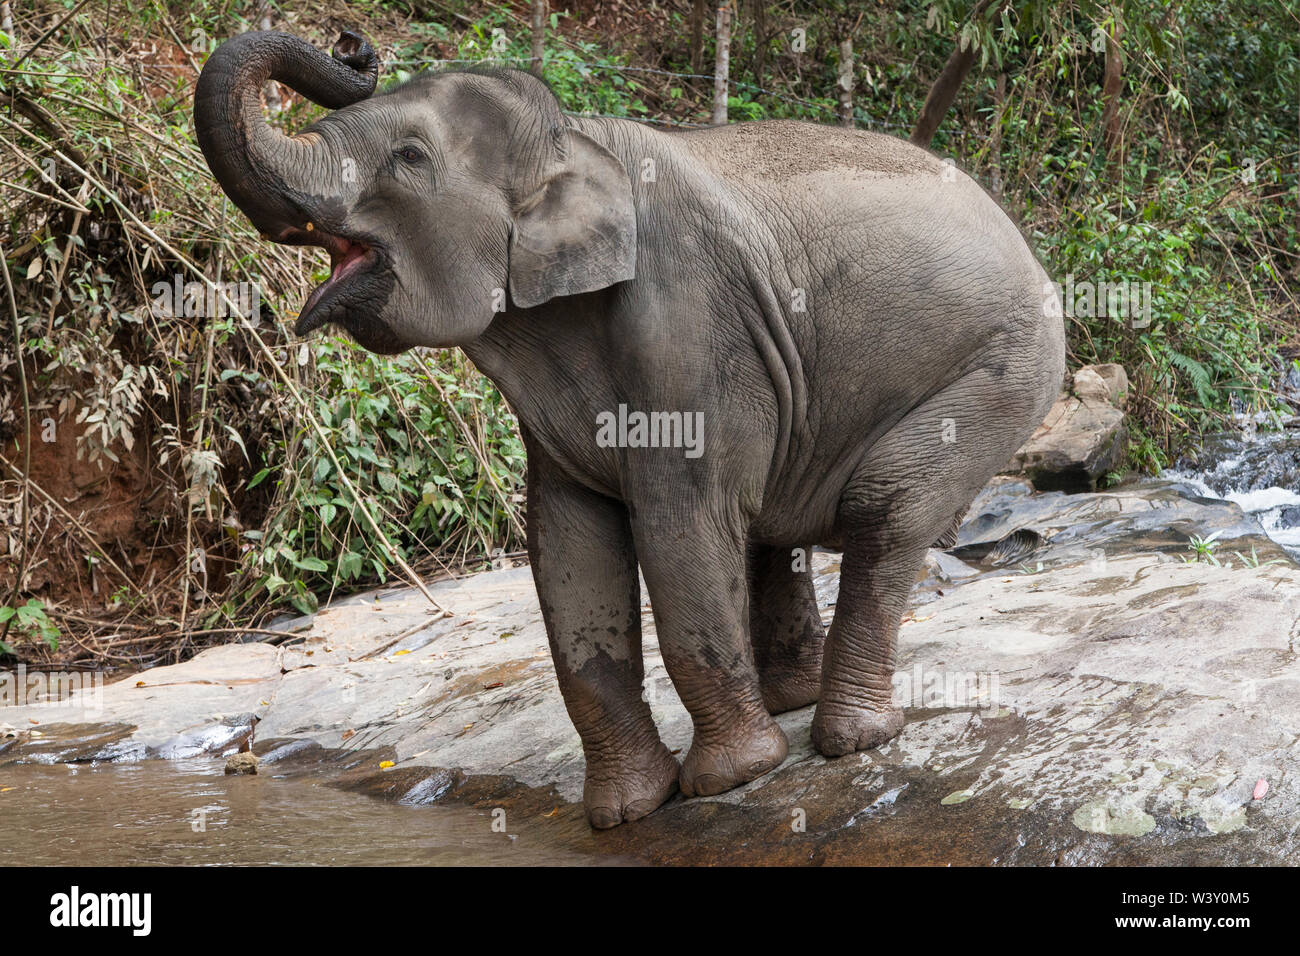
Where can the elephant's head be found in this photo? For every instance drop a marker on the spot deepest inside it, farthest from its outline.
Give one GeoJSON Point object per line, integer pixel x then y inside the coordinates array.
{"type": "Point", "coordinates": [435, 200]}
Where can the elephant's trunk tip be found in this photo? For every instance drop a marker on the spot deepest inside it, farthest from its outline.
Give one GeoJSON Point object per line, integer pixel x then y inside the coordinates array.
{"type": "Point", "coordinates": [354, 50]}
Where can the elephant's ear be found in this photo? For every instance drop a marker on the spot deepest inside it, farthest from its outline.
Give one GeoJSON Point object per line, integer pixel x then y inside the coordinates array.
{"type": "Point", "coordinates": [577, 232]}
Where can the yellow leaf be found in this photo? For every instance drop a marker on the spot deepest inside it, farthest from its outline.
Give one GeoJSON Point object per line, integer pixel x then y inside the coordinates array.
{"type": "Point", "coordinates": [400, 653]}
{"type": "Point", "coordinates": [385, 764]}
{"type": "Point", "coordinates": [7, 789]}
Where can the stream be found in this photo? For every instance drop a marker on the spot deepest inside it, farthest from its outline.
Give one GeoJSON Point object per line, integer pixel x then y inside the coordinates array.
{"type": "Point", "coordinates": [189, 812]}
{"type": "Point", "coordinates": [1259, 473]}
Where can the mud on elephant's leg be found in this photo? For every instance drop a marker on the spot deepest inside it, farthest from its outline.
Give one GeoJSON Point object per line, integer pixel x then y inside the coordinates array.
{"type": "Point", "coordinates": [584, 565]}
{"type": "Point", "coordinates": [785, 627]}
{"type": "Point", "coordinates": [696, 573]}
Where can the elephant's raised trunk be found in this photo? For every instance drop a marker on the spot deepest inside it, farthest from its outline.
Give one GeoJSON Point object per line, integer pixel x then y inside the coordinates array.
{"type": "Point", "coordinates": [262, 170]}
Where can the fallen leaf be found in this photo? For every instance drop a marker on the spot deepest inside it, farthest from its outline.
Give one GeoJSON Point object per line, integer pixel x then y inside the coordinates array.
{"type": "Point", "coordinates": [32, 720]}
{"type": "Point", "coordinates": [385, 764]}
{"type": "Point", "coordinates": [499, 683]}
{"type": "Point", "coordinates": [7, 789]}
{"type": "Point", "coordinates": [349, 734]}
{"type": "Point", "coordinates": [1261, 788]}
{"type": "Point", "coordinates": [551, 814]}
{"type": "Point", "coordinates": [139, 683]}
{"type": "Point", "coordinates": [400, 653]}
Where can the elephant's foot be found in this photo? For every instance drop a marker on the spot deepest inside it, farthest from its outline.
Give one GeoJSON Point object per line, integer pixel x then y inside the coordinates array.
{"type": "Point", "coordinates": [624, 787]}
{"type": "Point", "coordinates": [790, 687]}
{"type": "Point", "coordinates": [746, 752]}
{"type": "Point", "coordinates": [835, 735]}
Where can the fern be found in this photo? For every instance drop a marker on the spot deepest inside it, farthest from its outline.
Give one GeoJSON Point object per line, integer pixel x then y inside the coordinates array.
{"type": "Point", "coordinates": [1197, 374]}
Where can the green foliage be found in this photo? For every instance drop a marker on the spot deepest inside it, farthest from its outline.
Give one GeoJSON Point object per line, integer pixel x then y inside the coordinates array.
{"type": "Point", "coordinates": [433, 449]}
{"type": "Point", "coordinates": [1254, 560]}
{"type": "Point", "coordinates": [1203, 549]}
{"type": "Point", "coordinates": [28, 620]}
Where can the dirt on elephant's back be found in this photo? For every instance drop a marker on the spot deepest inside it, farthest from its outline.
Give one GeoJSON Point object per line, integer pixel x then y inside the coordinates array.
{"type": "Point", "coordinates": [775, 150]}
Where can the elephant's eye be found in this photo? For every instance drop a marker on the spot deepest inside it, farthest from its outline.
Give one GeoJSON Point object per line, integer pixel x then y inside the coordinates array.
{"type": "Point", "coordinates": [409, 154]}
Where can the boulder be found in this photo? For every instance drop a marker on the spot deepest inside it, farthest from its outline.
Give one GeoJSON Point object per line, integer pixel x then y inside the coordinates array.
{"type": "Point", "coordinates": [1082, 438]}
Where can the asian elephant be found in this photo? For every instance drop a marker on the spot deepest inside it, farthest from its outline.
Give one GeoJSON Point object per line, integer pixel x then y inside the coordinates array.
{"type": "Point", "coordinates": [723, 346]}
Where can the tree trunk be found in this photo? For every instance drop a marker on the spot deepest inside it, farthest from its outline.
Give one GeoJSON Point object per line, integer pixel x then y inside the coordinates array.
{"type": "Point", "coordinates": [539, 35]}
{"type": "Point", "coordinates": [760, 40]}
{"type": "Point", "coordinates": [1112, 132]}
{"type": "Point", "coordinates": [721, 64]}
{"type": "Point", "coordinates": [697, 36]}
{"type": "Point", "coordinates": [846, 82]}
{"type": "Point", "coordinates": [945, 88]}
{"type": "Point", "coordinates": [995, 135]}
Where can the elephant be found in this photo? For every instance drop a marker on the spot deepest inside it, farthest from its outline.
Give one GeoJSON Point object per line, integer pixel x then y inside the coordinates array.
{"type": "Point", "coordinates": [855, 333]}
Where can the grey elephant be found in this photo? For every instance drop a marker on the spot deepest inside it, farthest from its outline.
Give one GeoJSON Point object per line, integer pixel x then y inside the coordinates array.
{"type": "Point", "coordinates": [854, 334]}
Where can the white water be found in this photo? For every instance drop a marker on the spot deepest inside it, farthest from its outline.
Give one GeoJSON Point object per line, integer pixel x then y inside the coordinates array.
{"type": "Point", "coordinates": [1269, 506]}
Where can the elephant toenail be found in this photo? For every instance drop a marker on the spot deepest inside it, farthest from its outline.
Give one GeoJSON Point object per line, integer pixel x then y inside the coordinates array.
{"type": "Point", "coordinates": [638, 809]}
{"type": "Point", "coordinates": [709, 784]}
{"type": "Point", "coordinates": [602, 818]}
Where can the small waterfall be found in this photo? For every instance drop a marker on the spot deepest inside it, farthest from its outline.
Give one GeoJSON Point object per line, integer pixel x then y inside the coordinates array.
{"type": "Point", "coordinates": [1260, 472]}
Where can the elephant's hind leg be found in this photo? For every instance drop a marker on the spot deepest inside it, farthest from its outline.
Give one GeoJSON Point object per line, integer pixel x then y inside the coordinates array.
{"type": "Point", "coordinates": [856, 710]}
{"type": "Point", "coordinates": [785, 627]}
{"type": "Point", "coordinates": [584, 565]}
{"type": "Point", "coordinates": [904, 497]}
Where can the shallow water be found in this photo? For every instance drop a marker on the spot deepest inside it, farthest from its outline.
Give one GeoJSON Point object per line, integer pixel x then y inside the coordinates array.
{"type": "Point", "coordinates": [189, 812]}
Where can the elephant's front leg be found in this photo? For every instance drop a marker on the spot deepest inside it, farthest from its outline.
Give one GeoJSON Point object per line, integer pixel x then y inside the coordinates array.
{"type": "Point", "coordinates": [695, 568]}
{"type": "Point", "coordinates": [584, 565]}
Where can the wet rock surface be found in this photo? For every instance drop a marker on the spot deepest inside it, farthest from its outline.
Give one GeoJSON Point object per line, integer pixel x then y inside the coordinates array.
{"type": "Point", "coordinates": [1075, 694]}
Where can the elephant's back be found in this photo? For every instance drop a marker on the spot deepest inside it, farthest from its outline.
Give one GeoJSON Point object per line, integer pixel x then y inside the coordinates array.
{"type": "Point", "coordinates": [779, 150]}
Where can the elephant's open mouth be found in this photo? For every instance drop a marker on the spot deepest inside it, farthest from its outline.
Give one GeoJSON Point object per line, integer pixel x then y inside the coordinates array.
{"type": "Point", "coordinates": [350, 260]}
